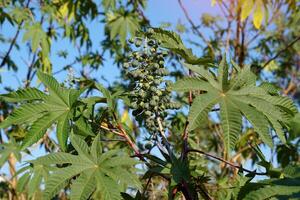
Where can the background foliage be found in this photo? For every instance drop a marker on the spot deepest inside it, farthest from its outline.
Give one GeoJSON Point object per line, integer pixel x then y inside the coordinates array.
{"type": "Point", "coordinates": [205, 108]}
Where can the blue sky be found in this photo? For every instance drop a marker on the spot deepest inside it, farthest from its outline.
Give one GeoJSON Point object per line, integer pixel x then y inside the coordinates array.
{"type": "Point", "coordinates": [159, 11]}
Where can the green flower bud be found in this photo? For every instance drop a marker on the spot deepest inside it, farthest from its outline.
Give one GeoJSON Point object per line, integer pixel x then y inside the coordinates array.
{"type": "Point", "coordinates": [131, 40]}
{"type": "Point", "coordinates": [126, 65]}
{"type": "Point", "coordinates": [148, 113]}
{"type": "Point", "coordinates": [134, 105]}
{"type": "Point", "coordinates": [138, 43]}
{"type": "Point", "coordinates": [152, 103]}
{"type": "Point", "coordinates": [153, 89]}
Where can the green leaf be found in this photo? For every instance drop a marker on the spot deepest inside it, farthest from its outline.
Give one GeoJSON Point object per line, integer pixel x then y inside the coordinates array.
{"type": "Point", "coordinates": [223, 73]}
{"type": "Point", "coordinates": [38, 37]}
{"type": "Point", "coordinates": [108, 188]}
{"type": "Point", "coordinates": [81, 147]}
{"type": "Point", "coordinates": [258, 121]}
{"type": "Point", "coordinates": [22, 182]}
{"type": "Point", "coordinates": [63, 129]}
{"type": "Point", "coordinates": [173, 42]}
{"type": "Point", "coordinates": [272, 191]}
{"type": "Point", "coordinates": [187, 84]}
{"type": "Point", "coordinates": [57, 158]}
{"type": "Point", "coordinates": [25, 113]}
{"type": "Point", "coordinates": [106, 93]}
{"type": "Point", "coordinates": [39, 128]}
{"type": "Point", "coordinates": [204, 73]}
{"type": "Point", "coordinates": [60, 178]}
{"type": "Point", "coordinates": [200, 108]}
{"type": "Point", "coordinates": [42, 110]}
{"type": "Point", "coordinates": [83, 186]}
{"type": "Point", "coordinates": [237, 95]}
{"type": "Point", "coordinates": [96, 148]}
{"type": "Point", "coordinates": [295, 124]}
{"type": "Point", "coordinates": [95, 174]}
{"type": "Point", "coordinates": [27, 94]}
{"type": "Point", "coordinates": [57, 94]}
{"type": "Point", "coordinates": [122, 24]}
{"type": "Point", "coordinates": [231, 120]}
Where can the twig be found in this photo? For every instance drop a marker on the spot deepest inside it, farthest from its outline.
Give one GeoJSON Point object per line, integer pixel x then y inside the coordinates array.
{"type": "Point", "coordinates": [13, 40]}
{"type": "Point", "coordinates": [111, 130]}
{"type": "Point", "coordinates": [194, 27]}
{"type": "Point", "coordinates": [225, 161]}
{"type": "Point", "coordinates": [281, 51]}
{"type": "Point", "coordinates": [161, 131]}
{"type": "Point", "coordinates": [127, 138]}
{"type": "Point", "coordinates": [185, 135]}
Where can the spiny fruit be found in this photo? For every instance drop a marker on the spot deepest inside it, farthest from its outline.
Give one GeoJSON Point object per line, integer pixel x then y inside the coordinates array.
{"type": "Point", "coordinates": [151, 95]}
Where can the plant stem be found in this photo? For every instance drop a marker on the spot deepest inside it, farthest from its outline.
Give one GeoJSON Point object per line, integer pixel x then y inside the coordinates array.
{"type": "Point", "coordinates": [281, 51]}
{"type": "Point", "coordinates": [225, 161]}
{"type": "Point", "coordinates": [194, 27]}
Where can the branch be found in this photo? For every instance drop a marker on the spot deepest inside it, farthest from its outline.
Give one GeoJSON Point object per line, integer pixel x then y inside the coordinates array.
{"type": "Point", "coordinates": [227, 162]}
{"type": "Point", "coordinates": [13, 40]}
{"type": "Point", "coordinates": [111, 130]}
{"type": "Point", "coordinates": [127, 138]}
{"type": "Point", "coordinates": [194, 27]}
{"type": "Point", "coordinates": [162, 133]}
{"type": "Point", "coordinates": [185, 135]}
{"type": "Point", "coordinates": [281, 51]}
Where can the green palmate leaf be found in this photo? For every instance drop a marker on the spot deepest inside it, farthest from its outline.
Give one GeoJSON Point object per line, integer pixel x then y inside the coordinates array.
{"type": "Point", "coordinates": [24, 95]}
{"type": "Point", "coordinates": [109, 188]}
{"type": "Point", "coordinates": [292, 171]}
{"type": "Point", "coordinates": [35, 180]}
{"type": "Point", "coordinates": [57, 94]}
{"type": "Point", "coordinates": [40, 111]}
{"type": "Point", "coordinates": [200, 108]}
{"type": "Point", "coordinates": [204, 73]}
{"type": "Point", "coordinates": [258, 121]}
{"type": "Point", "coordinates": [38, 37]}
{"type": "Point", "coordinates": [231, 120]}
{"type": "Point", "coordinates": [91, 172]}
{"type": "Point", "coordinates": [96, 148]}
{"type": "Point", "coordinates": [22, 182]}
{"type": "Point", "coordinates": [60, 178]}
{"type": "Point", "coordinates": [238, 96]}
{"type": "Point", "coordinates": [172, 41]}
{"type": "Point", "coordinates": [81, 147]}
{"type": "Point", "coordinates": [83, 187]}
{"type": "Point", "coordinates": [244, 77]}
{"type": "Point", "coordinates": [187, 84]}
{"type": "Point", "coordinates": [25, 113]}
{"type": "Point", "coordinates": [270, 88]}
{"type": "Point", "coordinates": [121, 24]}
{"type": "Point", "coordinates": [57, 158]}
{"type": "Point", "coordinates": [63, 129]}
{"type": "Point", "coordinates": [32, 179]}
{"type": "Point", "coordinates": [9, 149]}
{"type": "Point", "coordinates": [39, 128]}
{"type": "Point", "coordinates": [223, 73]}
{"type": "Point", "coordinates": [287, 189]}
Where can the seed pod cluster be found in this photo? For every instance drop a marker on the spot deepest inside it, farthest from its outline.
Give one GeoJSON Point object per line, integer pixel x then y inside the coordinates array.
{"type": "Point", "coordinates": [151, 94]}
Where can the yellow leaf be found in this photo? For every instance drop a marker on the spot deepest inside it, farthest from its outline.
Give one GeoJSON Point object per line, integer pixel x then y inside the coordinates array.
{"type": "Point", "coordinates": [272, 66]}
{"type": "Point", "coordinates": [67, 10]}
{"type": "Point", "coordinates": [258, 14]}
{"type": "Point", "coordinates": [126, 119]}
{"type": "Point", "coordinates": [213, 2]}
{"type": "Point", "coordinates": [63, 10]}
{"type": "Point", "coordinates": [247, 7]}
